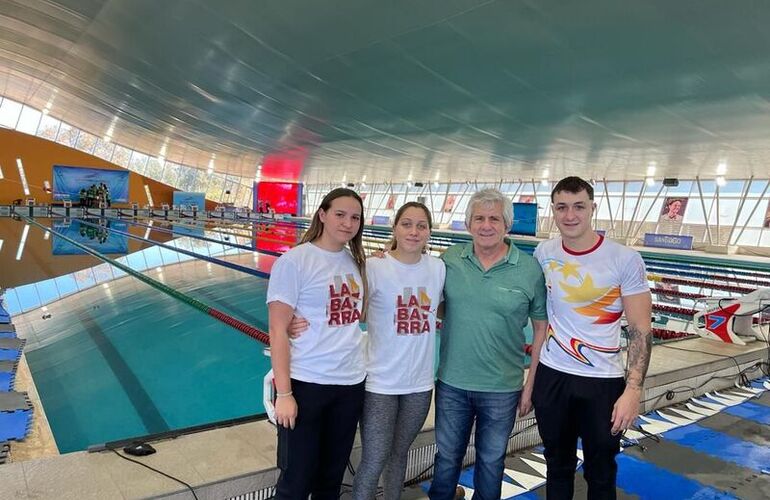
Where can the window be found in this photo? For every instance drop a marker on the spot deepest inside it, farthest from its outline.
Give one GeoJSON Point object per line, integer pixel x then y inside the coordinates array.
{"type": "Point", "coordinates": [104, 149]}
{"type": "Point", "coordinates": [9, 113]}
{"type": "Point", "coordinates": [68, 135]}
{"type": "Point", "coordinates": [49, 127]}
{"type": "Point", "coordinates": [29, 120]}
{"type": "Point", "coordinates": [138, 162]}
{"type": "Point", "coordinates": [86, 142]}
{"type": "Point", "coordinates": [121, 156]}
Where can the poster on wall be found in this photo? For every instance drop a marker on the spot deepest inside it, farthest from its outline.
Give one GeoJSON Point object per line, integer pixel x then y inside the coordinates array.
{"type": "Point", "coordinates": [673, 209]}
{"type": "Point", "coordinates": [449, 203]}
{"type": "Point", "coordinates": [186, 200]}
{"type": "Point", "coordinates": [766, 224]}
{"type": "Point", "coordinates": [72, 183]}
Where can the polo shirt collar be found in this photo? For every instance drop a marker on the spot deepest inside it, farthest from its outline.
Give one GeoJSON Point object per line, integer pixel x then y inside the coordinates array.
{"type": "Point", "coordinates": [512, 257]}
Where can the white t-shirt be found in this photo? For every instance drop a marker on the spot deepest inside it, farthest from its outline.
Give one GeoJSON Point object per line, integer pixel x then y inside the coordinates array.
{"type": "Point", "coordinates": [325, 288]}
{"type": "Point", "coordinates": [584, 305]}
{"type": "Point", "coordinates": [403, 299]}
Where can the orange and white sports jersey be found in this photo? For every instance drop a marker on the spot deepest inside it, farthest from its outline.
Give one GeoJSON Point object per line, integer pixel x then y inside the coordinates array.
{"type": "Point", "coordinates": [585, 306]}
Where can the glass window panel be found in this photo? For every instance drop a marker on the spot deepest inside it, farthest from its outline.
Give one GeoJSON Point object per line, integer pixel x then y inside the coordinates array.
{"type": "Point", "coordinates": [758, 186]}
{"type": "Point", "coordinates": [48, 128]}
{"type": "Point", "coordinates": [136, 261]}
{"type": "Point", "coordinates": [121, 156]}
{"type": "Point", "coordinates": [29, 120]}
{"type": "Point", "coordinates": [187, 178]}
{"type": "Point", "coordinates": [231, 184]}
{"type": "Point", "coordinates": [152, 256]}
{"type": "Point", "coordinates": [754, 237]}
{"type": "Point", "coordinates": [11, 302]}
{"type": "Point", "coordinates": [9, 113]}
{"type": "Point", "coordinates": [116, 271]}
{"type": "Point", "coordinates": [103, 272]}
{"type": "Point", "coordinates": [202, 184]}
{"type": "Point", "coordinates": [215, 187]}
{"type": "Point", "coordinates": [86, 142]}
{"type": "Point", "coordinates": [28, 298]}
{"type": "Point", "coordinates": [764, 238]}
{"type": "Point", "coordinates": [684, 187]}
{"type": "Point", "coordinates": [68, 135]}
{"type": "Point", "coordinates": [171, 174]}
{"type": "Point", "coordinates": [727, 210]}
{"type": "Point", "coordinates": [138, 162]}
{"type": "Point", "coordinates": [169, 256]}
{"type": "Point", "coordinates": [47, 291]}
{"type": "Point", "coordinates": [84, 279]}
{"type": "Point", "coordinates": [104, 149]}
{"type": "Point", "coordinates": [732, 187]}
{"type": "Point", "coordinates": [67, 284]}
{"type": "Point", "coordinates": [154, 169]}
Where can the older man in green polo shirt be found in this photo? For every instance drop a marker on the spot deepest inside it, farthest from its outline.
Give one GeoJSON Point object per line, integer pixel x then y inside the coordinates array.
{"type": "Point", "coordinates": [492, 290]}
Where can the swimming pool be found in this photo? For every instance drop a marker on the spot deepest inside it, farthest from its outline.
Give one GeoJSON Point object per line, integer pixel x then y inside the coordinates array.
{"type": "Point", "coordinates": [126, 360]}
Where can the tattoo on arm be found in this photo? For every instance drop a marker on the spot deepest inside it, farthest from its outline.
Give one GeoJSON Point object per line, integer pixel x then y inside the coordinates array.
{"type": "Point", "coordinates": [639, 349]}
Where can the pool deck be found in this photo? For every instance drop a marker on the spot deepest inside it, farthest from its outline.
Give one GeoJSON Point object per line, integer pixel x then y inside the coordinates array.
{"type": "Point", "coordinates": [237, 460]}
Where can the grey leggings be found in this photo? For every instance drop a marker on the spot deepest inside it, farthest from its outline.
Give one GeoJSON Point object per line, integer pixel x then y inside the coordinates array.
{"type": "Point", "coordinates": [388, 426]}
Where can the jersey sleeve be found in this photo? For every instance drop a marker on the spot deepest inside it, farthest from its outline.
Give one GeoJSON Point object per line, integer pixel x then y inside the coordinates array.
{"type": "Point", "coordinates": [633, 275]}
{"type": "Point", "coordinates": [284, 284]}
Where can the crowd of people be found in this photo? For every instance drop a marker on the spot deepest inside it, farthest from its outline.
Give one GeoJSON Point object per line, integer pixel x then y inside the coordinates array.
{"type": "Point", "coordinates": [95, 196]}
{"type": "Point", "coordinates": [329, 380]}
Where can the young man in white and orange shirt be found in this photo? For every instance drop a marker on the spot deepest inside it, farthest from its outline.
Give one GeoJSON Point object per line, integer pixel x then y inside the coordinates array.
{"type": "Point", "coordinates": [577, 381]}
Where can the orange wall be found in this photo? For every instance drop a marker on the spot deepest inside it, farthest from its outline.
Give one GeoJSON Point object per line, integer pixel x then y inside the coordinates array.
{"type": "Point", "coordinates": [40, 155]}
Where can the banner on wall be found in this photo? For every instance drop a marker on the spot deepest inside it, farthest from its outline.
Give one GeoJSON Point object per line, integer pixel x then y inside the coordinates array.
{"type": "Point", "coordinates": [278, 197]}
{"type": "Point", "coordinates": [102, 238]}
{"type": "Point", "coordinates": [184, 199]}
{"type": "Point", "coordinates": [391, 204]}
{"type": "Point", "coordinates": [69, 181]}
{"type": "Point", "coordinates": [524, 219]}
{"type": "Point", "coordinates": [766, 224]}
{"type": "Point", "coordinates": [668, 241]}
{"type": "Point", "coordinates": [673, 209]}
{"type": "Point", "coordinates": [449, 203]}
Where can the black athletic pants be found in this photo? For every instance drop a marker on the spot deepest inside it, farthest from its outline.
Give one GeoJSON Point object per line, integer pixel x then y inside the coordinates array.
{"type": "Point", "coordinates": [567, 407]}
{"type": "Point", "coordinates": [313, 456]}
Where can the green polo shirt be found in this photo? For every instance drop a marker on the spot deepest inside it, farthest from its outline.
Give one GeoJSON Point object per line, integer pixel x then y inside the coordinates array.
{"type": "Point", "coordinates": [482, 340]}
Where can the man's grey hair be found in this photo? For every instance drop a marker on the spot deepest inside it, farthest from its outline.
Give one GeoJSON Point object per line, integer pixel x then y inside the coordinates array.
{"type": "Point", "coordinates": [490, 197]}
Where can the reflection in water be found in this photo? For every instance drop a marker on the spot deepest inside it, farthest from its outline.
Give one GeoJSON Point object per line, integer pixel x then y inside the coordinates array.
{"type": "Point", "coordinates": [96, 235]}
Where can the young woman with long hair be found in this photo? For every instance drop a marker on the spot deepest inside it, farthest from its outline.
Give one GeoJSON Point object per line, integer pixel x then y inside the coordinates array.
{"type": "Point", "coordinates": [404, 291]}
{"type": "Point", "coordinates": [319, 377]}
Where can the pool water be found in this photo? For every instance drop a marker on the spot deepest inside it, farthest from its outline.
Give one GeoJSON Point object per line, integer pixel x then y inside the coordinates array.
{"type": "Point", "coordinates": [132, 361]}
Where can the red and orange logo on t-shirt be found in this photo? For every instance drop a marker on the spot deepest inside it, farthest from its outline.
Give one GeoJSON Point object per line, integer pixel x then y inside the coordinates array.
{"type": "Point", "coordinates": [344, 295]}
{"type": "Point", "coordinates": [412, 310]}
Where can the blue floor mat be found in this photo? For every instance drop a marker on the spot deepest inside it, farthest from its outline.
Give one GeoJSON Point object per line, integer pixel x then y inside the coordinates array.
{"type": "Point", "coordinates": [6, 381]}
{"type": "Point", "coordinates": [634, 478]}
{"type": "Point", "coordinates": [750, 411]}
{"type": "Point", "coordinates": [9, 355]}
{"type": "Point", "coordinates": [15, 425]}
{"type": "Point", "coordinates": [721, 446]}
